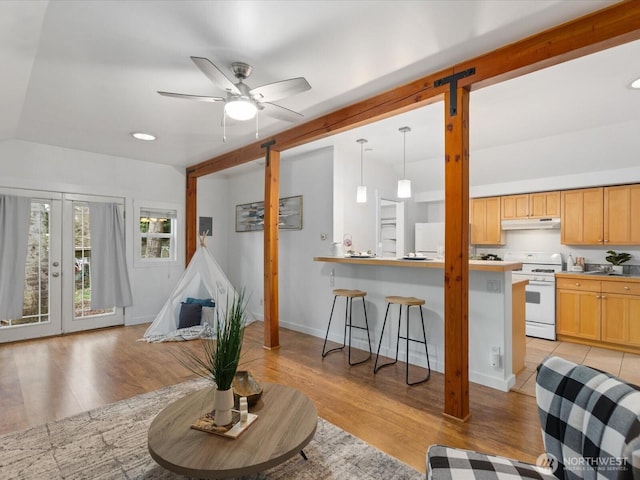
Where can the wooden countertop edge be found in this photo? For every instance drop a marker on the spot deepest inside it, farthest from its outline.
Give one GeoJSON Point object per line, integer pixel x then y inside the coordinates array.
{"type": "Point", "coordinates": [392, 262]}
{"type": "Point", "coordinates": [607, 278]}
{"type": "Point", "coordinates": [518, 283]}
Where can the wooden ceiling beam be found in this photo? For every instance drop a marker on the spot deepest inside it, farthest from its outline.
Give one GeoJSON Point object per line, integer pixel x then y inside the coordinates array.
{"type": "Point", "coordinates": [606, 28]}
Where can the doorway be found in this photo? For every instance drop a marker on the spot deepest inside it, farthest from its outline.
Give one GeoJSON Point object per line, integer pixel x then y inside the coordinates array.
{"type": "Point", "coordinates": [57, 288]}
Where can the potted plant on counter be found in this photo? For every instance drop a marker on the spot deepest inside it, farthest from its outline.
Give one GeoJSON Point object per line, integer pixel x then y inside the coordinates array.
{"type": "Point", "coordinates": [616, 260]}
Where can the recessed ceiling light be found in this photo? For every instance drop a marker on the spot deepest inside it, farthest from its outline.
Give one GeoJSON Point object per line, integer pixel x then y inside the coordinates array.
{"type": "Point", "coordinates": [143, 136]}
{"type": "Point", "coordinates": [636, 83]}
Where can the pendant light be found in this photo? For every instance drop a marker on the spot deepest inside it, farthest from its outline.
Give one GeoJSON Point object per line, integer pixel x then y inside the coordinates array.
{"type": "Point", "coordinates": [361, 194]}
{"type": "Point", "coordinates": [404, 185]}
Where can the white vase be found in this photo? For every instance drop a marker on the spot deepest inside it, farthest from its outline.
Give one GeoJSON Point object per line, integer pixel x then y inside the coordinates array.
{"type": "Point", "coordinates": [617, 269]}
{"type": "Point", "coordinates": [222, 405]}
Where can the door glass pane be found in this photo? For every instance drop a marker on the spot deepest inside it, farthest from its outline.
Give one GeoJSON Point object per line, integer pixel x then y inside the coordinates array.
{"type": "Point", "coordinates": [36, 284]}
{"type": "Point", "coordinates": [82, 256]}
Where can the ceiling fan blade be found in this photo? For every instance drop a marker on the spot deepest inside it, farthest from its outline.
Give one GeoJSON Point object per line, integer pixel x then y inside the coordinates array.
{"type": "Point", "coordinates": [214, 74]}
{"type": "Point", "coordinates": [199, 98]}
{"type": "Point", "coordinates": [280, 113]}
{"type": "Point", "coordinates": [277, 90]}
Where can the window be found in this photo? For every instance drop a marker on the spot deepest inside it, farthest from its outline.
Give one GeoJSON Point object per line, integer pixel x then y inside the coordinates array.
{"type": "Point", "coordinates": [157, 239]}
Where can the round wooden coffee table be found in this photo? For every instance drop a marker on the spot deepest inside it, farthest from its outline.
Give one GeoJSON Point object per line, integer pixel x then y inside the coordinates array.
{"type": "Point", "coordinates": [286, 423]}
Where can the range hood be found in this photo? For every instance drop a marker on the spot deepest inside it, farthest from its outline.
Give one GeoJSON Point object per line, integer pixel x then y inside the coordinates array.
{"type": "Point", "coordinates": [531, 224]}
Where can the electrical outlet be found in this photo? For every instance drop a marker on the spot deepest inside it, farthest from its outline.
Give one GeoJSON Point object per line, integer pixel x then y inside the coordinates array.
{"type": "Point", "coordinates": [494, 359]}
{"type": "Point", "coordinates": [332, 277]}
{"type": "Point", "coordinates": [261, 302]}
{"type": "Point", "coordinates": [494, 286]}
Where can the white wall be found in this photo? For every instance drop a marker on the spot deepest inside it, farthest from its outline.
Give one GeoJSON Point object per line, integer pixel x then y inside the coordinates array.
{"type": "Point", "coordinates": [311, 176]}
{"type": "Point", "coordinates": [44, 167]}
{"type": "Point", "coordinates": [213, 201]}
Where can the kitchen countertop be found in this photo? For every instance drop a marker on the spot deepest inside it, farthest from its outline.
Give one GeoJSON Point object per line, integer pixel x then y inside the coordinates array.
{"type": "Point", "coordinates": [591, 276]}
{"type": "Point", "coordinates": [486, 265]}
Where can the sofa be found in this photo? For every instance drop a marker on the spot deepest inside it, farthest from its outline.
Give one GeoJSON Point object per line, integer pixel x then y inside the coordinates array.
{"type": "Point", "coordinates": [590, 423]}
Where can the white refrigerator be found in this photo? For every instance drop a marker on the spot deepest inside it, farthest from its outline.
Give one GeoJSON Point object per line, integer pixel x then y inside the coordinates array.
{"type": "Point", "coordinates": [430, 239]}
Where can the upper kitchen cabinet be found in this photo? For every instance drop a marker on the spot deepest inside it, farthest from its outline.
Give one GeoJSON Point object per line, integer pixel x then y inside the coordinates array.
{"type": "Point", "coordinates": [582, 217]}
{"type": "Point", "coordinates": [601, 216]}
{"type": "Point", "coordinates": [531, 205]}
{"type": "Point", "coordinates": [621, 214]}
{"type": "Point", "coordinates": [485, 221]}
{"type": "Point", "coordinates": [515, 207]}
{"type": "Point", "coordinates": [544, 204]}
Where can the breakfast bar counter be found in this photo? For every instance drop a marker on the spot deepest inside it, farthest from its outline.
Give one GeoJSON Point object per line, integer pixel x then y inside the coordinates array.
{"type": "Point", "coordinates": [486, 265]}
{"type": "Point", "coordinates": [490, 310]}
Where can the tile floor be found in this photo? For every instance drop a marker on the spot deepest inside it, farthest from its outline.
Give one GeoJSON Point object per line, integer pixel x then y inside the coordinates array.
{"type": "Point", "coordinates": [623, 365]}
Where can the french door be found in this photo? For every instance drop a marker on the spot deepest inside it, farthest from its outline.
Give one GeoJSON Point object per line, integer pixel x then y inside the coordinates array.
{"type": "Point", "coordinates": [57, 290]}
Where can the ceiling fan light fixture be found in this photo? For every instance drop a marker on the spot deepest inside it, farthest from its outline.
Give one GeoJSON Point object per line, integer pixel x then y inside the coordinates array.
{"type": "Point", "coordinates": [147, 137]}
{"type": "Point", "coordinates": [240, 109]}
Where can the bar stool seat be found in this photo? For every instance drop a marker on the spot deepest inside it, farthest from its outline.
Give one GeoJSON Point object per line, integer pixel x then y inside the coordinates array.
{"type": "Point", "coordinates": [349, 295]}
{"type": "Point", "coordinates": [408, 302]}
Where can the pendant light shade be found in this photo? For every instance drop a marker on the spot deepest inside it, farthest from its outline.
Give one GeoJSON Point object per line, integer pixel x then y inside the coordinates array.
{"type": "Point", "coordinates": [361, 194]}
{"type": "Point", "coordinates": [404, 185]}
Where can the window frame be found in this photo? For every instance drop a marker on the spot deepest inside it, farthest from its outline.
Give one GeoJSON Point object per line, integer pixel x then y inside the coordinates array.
{"type": "Point", "coordinates": [175, 238]}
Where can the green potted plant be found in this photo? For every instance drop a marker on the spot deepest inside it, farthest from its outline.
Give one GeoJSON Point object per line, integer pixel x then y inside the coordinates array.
{"type": "Point", "coordinates": [617, 259]}
{"type": "Point", "coordinates": [221, 355]}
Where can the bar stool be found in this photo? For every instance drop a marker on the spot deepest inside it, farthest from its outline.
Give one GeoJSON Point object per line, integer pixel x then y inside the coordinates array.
{"type": "Point", "coordinates": [408, 302]}
{"type": "Point", "coordinates": [349, 296]}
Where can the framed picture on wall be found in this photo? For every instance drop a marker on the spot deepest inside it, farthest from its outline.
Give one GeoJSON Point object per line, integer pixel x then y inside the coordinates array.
{"type": "Point", "coordinates": [250, 216]}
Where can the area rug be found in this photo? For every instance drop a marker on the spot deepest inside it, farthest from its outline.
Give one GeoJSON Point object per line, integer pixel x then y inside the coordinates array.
{"type": "Point", "coordinates": [111, 443]}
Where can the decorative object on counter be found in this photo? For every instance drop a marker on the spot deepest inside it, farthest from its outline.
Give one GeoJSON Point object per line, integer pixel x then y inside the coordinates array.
{"type": "Point", "coordinates": [490, 257]}
{"type": "Point", "coordinates": [221, 358]}
{"type": "Point", "coordinates": [245, 386]}
{"type": "Point", "coordinates": [354, 254]}
{"type": "Point", "coordinates": [250, 216]}
{"type": "Point", "coordinates": [347, 242]}
{"type": "Point", "coordinates": [617, 259]}
{"type": "Point", "coordinates": [361, 194]}
{"type": "Point", "coordinates": [404, 185]}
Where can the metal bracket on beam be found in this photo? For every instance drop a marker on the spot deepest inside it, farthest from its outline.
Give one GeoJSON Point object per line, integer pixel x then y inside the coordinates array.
{"type": "Point", "coordinates": [452, 80]}
{"type": "Point", "coordinates": [268, 146]}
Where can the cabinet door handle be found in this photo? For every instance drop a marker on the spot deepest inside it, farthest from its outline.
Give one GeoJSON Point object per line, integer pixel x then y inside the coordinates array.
{"type": "Point", "coordinates": [597, 296]}
{"type": "Point", "coordinates": [626, 288]}
{"type": "Point", "coordinates": [603, 297]}
{"type": "Point", "coordinates": [577, 284]}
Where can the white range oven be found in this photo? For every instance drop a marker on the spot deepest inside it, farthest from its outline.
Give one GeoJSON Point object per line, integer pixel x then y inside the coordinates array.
{"type": "Point", "coordinates": [540, 311]}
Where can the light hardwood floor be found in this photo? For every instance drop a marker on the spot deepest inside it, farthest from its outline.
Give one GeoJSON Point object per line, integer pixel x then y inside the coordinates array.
{"type": "Point", "coordinates": [41, 380]}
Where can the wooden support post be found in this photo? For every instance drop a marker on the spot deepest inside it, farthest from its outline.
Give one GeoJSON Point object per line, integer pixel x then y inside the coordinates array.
{"type": "Point", "coordinates": [191, 221]}
{"type": "Point", "coordinates": [456, 264]}
{"type": "Point", "coordinates": [271, 216]}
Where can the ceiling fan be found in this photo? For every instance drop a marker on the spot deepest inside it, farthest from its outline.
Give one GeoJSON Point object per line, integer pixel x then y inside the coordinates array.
{"type": "Point", "coordinates": [243, 102]}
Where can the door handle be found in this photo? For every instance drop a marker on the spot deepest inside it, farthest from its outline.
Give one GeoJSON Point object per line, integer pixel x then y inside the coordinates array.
{"type": "Point", "coordinates": [55, 274]}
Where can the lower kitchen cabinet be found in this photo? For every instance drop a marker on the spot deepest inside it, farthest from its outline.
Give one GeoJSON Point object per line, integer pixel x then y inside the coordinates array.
{"type": "Point", "coordinates": [578, 308]}
{"type": "Point", "coordinates": [599, 312]}
{"type": "Point", "coordinates": [620, 316]}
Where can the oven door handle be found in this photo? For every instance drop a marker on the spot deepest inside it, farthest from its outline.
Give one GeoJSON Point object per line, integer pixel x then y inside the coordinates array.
{"type": "Point", "coordinates": [543, 284]}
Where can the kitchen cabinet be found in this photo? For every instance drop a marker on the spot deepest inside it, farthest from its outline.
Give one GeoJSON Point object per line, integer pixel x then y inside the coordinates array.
{"type": "Point", "coordinates": [601, 216]}
{"type": "Point", "coordinates": [515, 207]}
{"type": "Point", "coordinates": [599, 312]}
{"type": "Point", "coordinates": [621, 313]}
{"type": "Point", "coordinates": [485, 221]}
{"type": "Point", "coordinates": [582, 217]}
{"type": "Point", "coordinates": [578, 308]}
{"type": "Point", "coordinates": [531, 205]}
{"type": "Point", "coordinates": [621, 214]}
{"type": "Point", "coordinates": [544, 205]}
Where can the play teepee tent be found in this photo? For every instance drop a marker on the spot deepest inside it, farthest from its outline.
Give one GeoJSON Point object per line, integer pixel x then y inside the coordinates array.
{"type": "Point", "coordinates": [203, 279]}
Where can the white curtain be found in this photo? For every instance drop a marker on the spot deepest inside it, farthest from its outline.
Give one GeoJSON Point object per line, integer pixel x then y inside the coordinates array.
{"type": "Point", "coordinates": [15, 218]}
{"type": "Point", "coordinates": [109, 277]}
